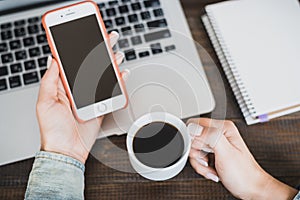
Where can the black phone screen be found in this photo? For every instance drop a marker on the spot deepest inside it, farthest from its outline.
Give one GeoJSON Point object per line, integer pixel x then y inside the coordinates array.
{"type": "Point", "coordinates": [85, 60]}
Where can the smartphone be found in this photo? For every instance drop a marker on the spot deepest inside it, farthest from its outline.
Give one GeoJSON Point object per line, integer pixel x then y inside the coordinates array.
{"type": "Point", "coordinates": [79, 42]}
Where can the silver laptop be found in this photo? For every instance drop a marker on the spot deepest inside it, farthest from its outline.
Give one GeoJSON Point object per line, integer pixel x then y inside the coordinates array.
{"type": "Point", "coordinates": [165, 70]}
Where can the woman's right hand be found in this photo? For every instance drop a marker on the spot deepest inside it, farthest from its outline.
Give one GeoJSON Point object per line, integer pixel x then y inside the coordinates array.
{"type": "Point", "coordinates": [234, 165]}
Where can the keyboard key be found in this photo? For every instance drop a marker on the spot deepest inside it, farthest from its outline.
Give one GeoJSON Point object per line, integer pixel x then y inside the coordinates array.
{"type": "Point", "coordinates": [28, 41]}
{"type": "Point", "coordinates": [19, 22]}
{"type": "Point", "coordinates": [111, 3]}
{"type": "Point", "coordinates": [33, 52]}
{"type": "Point", "coordinates": [16, 44]}
{"type": "Point", "coordinates": [16, 68]}
{"type": "Point", "coordinates": [151, 3]}
{"type": "Point", "coordinates": [139, 28]}
{"type": "Point", "coordinates": [123, 43]}
{"type": "Point", "coordinates": [130, 55]}
{"type": "Point", "coordinates": [120, 21]}
{"type": "Point", "coordinates": [42, 61]}
{"type": "Point", "coordinates": [3, 71]}
{"type": "Point", "coordinates": [170, 48]}
{"type": "Point", "coordinates": [157, 35]}
{"type": "Point", "coordinates": [5, 35]}
{"type": "Point", "coordinates": [3, 47]}
{"type": "Point", "coordinates": [158, 12]}
{"type": "Point", "coordinates": [14, 81]}
{"type": "Point", "coordinates": [123, 9]}
{"type": "Point", "coordinates": [110, 12]}
{"type": "Point", "coordinates": [6, 25]}
{"type": "Point", "coordinates": [42, 72]}
{"type": "Point", "coordinates": [42, 28]}
{"type": "Point", "coordinates": [156, 48]}
{"type": "Point", "coordinates": [33, 29]}
{"type": "Point", "coordinates": [21, 55]}
{"type": "Point", "coordinates": [41, 38]}
{"type": "Point", "coordinates": [136, 6]}
{"type": "Point", "coordinates": [132, 18]}
{"type": "Point", "coordinates": [29, 65]}
{"type": "Point", "coordinates": [3, 84]}
{"type": "Point", "coordinates": [33, 20]}
{"type": "Point", "coordinates": [125, 1]}
{"type": "Point", "coordinates": [101, 5]}
{"type": "Point", "coordinates": [46, 49]}
{"type": "Point", "coordinates": [136, 40]}
{"type": "Point", "coordinates": [30, 78]}
{"type": "Point", "coordinates": [144, 54]}
{"type": "Point", "coordinates": [126, 31]}
{"type": "Point", "coordinates": [145, 15]}
{"type": "Point", "coordinates": [157, 24]}
{"type": "Point", "coordinates": [7, 58]}
{"type": "Point", "coordinates": [20, 32]}
{"type": "Point", "coordinates": [108, 23]}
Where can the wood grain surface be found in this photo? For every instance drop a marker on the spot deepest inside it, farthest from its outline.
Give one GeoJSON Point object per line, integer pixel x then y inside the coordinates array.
{"type": "Point", "coordinates": [275, 145]}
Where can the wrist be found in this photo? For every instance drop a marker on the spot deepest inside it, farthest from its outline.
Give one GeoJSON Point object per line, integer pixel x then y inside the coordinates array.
{"type": "Point", "coordinates": [271, 188]}
{"type": "Point", "coordinates": [78, 156]}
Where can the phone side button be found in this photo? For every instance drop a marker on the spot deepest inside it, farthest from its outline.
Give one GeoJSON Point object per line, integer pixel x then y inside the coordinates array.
{"type": "Point", "coordinates": [102, 107]}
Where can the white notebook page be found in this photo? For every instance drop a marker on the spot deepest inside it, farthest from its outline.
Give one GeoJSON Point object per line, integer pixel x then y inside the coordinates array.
{"type": "Point", "coordinates": [263, 39]}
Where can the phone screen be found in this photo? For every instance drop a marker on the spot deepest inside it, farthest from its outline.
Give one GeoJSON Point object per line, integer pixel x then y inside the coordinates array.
{"type": "Point", "coordinates": [85, 60]}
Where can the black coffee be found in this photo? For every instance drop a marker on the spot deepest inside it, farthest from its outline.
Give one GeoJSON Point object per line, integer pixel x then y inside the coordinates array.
{"type": "Point", "coordinates": [158, 145]}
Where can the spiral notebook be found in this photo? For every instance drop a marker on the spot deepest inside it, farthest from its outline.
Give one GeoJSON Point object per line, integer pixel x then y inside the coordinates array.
{"type": "Point", "coordinates": [258, 45]}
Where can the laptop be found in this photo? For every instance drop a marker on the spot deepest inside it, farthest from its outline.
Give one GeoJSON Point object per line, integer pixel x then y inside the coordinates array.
{"type": "Point", "coordinates": [166, 73]}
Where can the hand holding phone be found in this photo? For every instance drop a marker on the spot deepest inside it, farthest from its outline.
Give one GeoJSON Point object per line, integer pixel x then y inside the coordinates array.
{"type": "Point", "coordinates": [60, 131]}
{"type": "Point", "coordinates": [88, 68]}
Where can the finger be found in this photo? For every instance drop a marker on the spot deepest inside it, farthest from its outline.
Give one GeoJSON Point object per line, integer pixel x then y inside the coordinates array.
{"type": "Point", "coordinates": [194, 130]}
{"type": "Point", "coordinates": [222, 147]}
{"type": "Point", "coordinates": [119, 57]}
{"type": "Point", "coordinates": [202, 145]}
{"type": "Point", "coordinates": [125, 74]}
{"type": "Point", "coordinates": [207, 122]}
{"type": "Point", "coordinates": [199, 156]}
{"type": "Point", "coordinates": [207, 172]}
{"type": "Point", "coordinates": [196, 153]}
{"type": "Point", "coordinates": [48, 88]}
{"type": "Point", "coordinates": [208, 139]}
{"type": "Point", "coordinates": [113, 37]}
{"type": "Point", "coordinates": [49, 61]}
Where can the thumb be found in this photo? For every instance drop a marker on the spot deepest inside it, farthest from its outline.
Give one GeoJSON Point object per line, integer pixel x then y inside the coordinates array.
{"type": "Point", "coordinates": [49, 83]}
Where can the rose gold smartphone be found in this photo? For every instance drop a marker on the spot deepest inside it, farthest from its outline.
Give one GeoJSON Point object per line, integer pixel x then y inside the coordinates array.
{"type": "Point", "coordinates": [78, 40]}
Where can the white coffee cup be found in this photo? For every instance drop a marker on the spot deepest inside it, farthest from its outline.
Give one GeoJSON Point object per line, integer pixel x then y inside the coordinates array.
{"type": "Point", "coordinates": [158, 174]}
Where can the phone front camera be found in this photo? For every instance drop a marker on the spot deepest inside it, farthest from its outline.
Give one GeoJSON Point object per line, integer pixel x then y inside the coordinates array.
{"type": "Point", "coordinates": [61, 16]}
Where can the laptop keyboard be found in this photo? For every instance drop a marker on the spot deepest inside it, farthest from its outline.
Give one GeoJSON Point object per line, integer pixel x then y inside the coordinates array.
{"type": "Point", "coordinates": [24, 49]}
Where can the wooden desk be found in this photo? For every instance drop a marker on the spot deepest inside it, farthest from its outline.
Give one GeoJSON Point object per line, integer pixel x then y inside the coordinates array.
{"type": "Point", "coordinates": [275, 145]}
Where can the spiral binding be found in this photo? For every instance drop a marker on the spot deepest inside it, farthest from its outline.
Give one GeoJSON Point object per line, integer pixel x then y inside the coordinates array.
{"type": "Point", "coordinates": [229, 66]}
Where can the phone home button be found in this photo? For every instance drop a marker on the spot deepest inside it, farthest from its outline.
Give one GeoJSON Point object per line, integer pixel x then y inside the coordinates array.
{"type": "Point", "coordinates": [102, 107]}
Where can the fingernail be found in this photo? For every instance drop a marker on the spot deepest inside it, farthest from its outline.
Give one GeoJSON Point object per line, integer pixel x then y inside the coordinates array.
{"type": "Point", "coordinates": [126, 74]}
{"type": "Point", "coordinates": [122, 55]}
{"type": "Point", "coordinates": [194, 129]}
{"type": "Point", "coordinates": [115, 33]}
{"type": "Point", "coordinates": [202, 162]}
{"type": "Point", "coordinates": [49, 61]}
{"type": "Point", "coordinates": [212, 177]}
{"type": "Point", "coordinates": [207, 150]}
